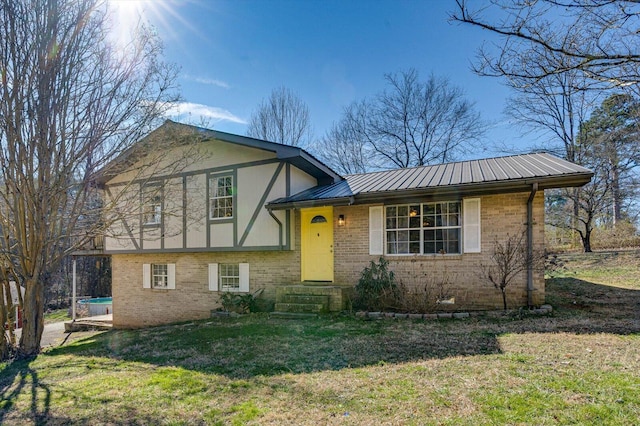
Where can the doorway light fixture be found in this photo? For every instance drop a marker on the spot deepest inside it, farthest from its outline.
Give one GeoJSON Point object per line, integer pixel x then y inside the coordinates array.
{"type": "Point", "coordinates": [341, 220]}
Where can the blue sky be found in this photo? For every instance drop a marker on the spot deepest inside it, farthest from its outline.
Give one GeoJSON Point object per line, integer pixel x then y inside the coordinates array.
{"type": "Point", "coordinates": [233, 53]}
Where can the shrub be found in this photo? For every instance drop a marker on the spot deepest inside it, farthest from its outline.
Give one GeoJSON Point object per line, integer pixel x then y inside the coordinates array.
{"type": "Point", "coordinates": [623, 235]}
{"type": "Point", "coordinates": [240, 303]}
{"type": "Point", "coordinates": [376, 290]}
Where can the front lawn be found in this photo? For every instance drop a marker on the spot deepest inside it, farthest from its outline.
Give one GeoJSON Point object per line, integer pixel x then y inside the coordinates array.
{"type": "Point", "coordinates": [579, 365]}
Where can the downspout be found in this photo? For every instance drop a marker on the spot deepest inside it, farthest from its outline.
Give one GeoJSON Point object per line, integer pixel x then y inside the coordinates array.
{"type": "Point", "coordinates": [279, 227]}
{"type": "Point", "coordinates": [530, 289]}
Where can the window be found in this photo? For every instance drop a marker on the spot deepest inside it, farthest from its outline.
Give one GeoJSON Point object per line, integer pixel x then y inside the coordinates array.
{"type": "Point", "coordinates": [221, 197]}
{"type": "Point", "coordinates": [319, 219]}
{"type": "Point", "coordinates": [159, 275]}
{"type": "Point", "coordinates": [229, 277]}
{"type": "Point", "coordinates": [152, 206]}
{"type": "Point", "coordinates": [428, 228]}
{"type": "Point", "coordinates": [441, 222]}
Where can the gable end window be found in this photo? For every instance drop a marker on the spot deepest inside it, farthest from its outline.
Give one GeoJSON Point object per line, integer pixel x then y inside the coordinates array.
{"type": "Point", "coordinates": [428, 228]}
{"type": "Point", "coordinates": [152, 205]}
{"type": "Point", "coordinates": [221, 197]}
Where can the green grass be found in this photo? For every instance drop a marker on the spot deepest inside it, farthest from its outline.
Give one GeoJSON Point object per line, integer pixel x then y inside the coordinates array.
{"type": "Point", "coordinates": [580, 365]}
{"type": "Point", "coordinates": [58, 315]}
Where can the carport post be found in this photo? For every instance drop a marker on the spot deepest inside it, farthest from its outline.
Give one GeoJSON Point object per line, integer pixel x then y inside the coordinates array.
{"type": "Point", "coordinates": [73, 295]}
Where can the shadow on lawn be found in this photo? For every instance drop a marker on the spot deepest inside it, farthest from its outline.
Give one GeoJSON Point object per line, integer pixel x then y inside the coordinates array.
{"type": "Point", "coordinates": [257, 345]}
{"type": "Point", "coordinates": [19, 378]}
{"type": "Point", "coordinates": [584, 307]}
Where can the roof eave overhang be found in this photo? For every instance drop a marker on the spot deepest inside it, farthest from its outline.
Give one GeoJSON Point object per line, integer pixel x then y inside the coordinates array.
{"type": "Point", "coordinates": [291, 154]}
{"type": "Point", "coordinates": [315, 168]}
{"type": "Point", "coordinates": [444, 192]}
{"type": "Point", "coordinates": [476, 189]}
{"type": "Point", "coordinates": [338, 201]}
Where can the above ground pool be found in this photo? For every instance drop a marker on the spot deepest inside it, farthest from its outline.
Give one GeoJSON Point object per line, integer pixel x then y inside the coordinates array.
{"type": "Point", "coordinates": [98, 305]}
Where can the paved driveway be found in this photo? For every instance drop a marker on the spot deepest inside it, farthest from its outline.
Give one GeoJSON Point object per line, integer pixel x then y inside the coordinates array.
{"type": "Point", "coordinates": [54, 335]}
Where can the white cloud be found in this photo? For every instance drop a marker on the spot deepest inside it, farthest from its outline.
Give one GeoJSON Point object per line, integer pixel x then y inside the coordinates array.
{"type": "Point", "coordinates": [180, 109]}
{"type": "Point", "coordinates": [208, 81]}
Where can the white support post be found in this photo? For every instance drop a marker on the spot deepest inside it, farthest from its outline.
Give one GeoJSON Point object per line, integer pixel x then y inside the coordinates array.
{"type": "Point", "coordinates": [73, 294]}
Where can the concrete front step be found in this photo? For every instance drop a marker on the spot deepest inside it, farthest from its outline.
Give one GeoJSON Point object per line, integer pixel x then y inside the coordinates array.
{"type": "Point", "coordinates": [292, 315]}
{"type": "Point", "coordinates": [301, 307]}
{"type": "Point", "coordinates": [324, 290]}
{"type": "Point", "coordinates": [304, 298]}
{"type": "Point", "coordinates": [334, 297]}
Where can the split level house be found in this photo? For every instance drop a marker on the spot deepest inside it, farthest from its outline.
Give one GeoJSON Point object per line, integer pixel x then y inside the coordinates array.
{"type": "Point", "coordinates": [196, 213]}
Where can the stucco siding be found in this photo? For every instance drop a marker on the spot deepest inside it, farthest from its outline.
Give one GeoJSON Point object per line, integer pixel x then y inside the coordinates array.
{"type": "Point", "coordinates": [187, 219]}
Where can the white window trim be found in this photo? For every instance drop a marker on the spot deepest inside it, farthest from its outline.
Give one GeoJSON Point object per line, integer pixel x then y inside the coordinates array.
{"type": "Point", "coordinates": [213, 197]}
{"type": "Point", "coordinates": [152, 202]}
{"type": "Point", "coordinates": [214, 278]}
{"type": "Point", "coordinates": [421, 229]}
{"type": "Point", "coordinates": [147, 276]}
{"type": "Point", "coordinates": [472, 225]}
{"type": "Point", "coordinates": [376, 230]}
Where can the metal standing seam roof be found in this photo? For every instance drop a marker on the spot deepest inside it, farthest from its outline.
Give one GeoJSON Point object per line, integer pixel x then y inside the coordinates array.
{"type": "Point", "coordinates": [498, 172]}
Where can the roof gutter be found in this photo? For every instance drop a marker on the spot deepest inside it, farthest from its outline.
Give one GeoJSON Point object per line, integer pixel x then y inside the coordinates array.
{"type": "Point", "coordinates": [529, 259]}
{"type": "Point", "coordinates": [337, 201]}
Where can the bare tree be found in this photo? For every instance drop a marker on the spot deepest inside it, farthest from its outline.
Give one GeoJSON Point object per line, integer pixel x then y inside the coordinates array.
{"type": "Point", "coordinates": [509, 259]}
{"type": "Point", "coordinates": [590, 201]}
{"type": "Point", "coordinates": [614, 134]}
{"type": "Point", "coordinates": [415, 123]}
{"type": "Point", "coordinates": [554, 108]}
{"type": "Point", "coordinates": [580, 209]}
{"type": "Point", "coordinates": [344, 147]}
{"type": "Point", "coordinates": [70, 102]}
{"type": "Point", "coordinates": [282, 118]}
{"type": "Point", "coordinates": [595, 37]}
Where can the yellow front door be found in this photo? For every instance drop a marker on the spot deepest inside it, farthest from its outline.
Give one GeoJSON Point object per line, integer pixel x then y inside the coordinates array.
{"type": "Point", "coordinates": [317, 243]}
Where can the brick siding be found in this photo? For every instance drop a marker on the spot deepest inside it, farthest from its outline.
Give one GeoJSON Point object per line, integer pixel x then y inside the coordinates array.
{"type": "Point", "coordinates": [501, 215]}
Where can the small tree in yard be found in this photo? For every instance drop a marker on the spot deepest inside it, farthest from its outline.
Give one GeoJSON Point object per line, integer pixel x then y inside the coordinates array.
{"type": "Point", "coordinates": [509, 259]}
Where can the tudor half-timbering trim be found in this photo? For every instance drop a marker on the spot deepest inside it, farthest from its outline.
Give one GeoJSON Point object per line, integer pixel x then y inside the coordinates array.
{"type": "Point", "coordinates": [255, 228]}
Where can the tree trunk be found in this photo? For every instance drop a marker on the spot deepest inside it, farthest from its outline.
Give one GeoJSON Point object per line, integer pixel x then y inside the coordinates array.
{"type": "Point", "coordinates": [575, 217]}
{"type": "Point", "coordinates": [504, 297]}
{"type": "Point", "coordinates": [617, 197]}
{"type": "Point", "coordinates": [4, 344]}
{"type": "Point", "coordinates": [33, 318]}
{"type": "Point", "coordinates": [10, 313]}
{"type": "Point", "coordinates": [586, 242]}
